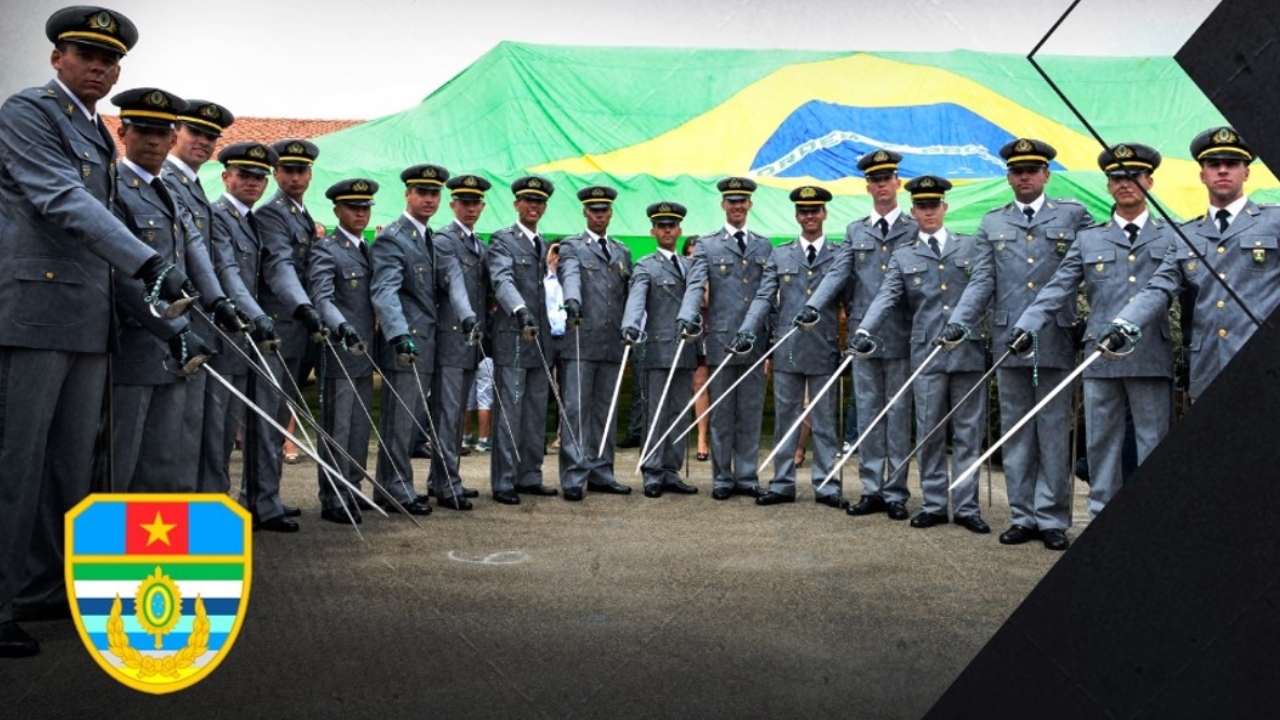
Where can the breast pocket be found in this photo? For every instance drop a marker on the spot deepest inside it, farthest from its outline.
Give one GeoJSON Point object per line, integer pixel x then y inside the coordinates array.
{"type": "Point", "coordinates": [1260, 252]}
{"type": "Point", "coordinates": [354, 276]}
{"type": "Point", "coordinates": [961, 271]}
{"type": "Point", "coordinates": [150, 227]}
{"type": "Point", "coordinates": [788, 274]}
{"type": "Point", "coordinates": [1100, 266]}
{"type": "Point", "coordinates": [864, 251]}
{"type": "Point", "coordinates": [1060, 238]}
{"type": "Point", "coordinates": [724, 264]}
{"type": "Point", "coordinates": [89, 159]}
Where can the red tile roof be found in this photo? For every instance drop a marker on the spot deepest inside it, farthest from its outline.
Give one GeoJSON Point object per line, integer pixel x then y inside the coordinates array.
{"type": "Point", "coordinates": [263, 130]}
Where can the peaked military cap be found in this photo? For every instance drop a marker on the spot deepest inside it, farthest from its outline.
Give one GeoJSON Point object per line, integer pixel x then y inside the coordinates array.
{"type": "Point", "coordinates": [296, 152]}
{"type": "Point", "coordinates": [251, 156]}
{"type": "Point", "coordinates": [597, 197]}
{"type": "Point", "coordinates": [1120, 160]}
{"type": "Point", "coordinates": [468, 185]}
{"type": "Point", "coordinates": [91, 25]}
{"type": "Point", "coordinates": [532, 186]}
{"type": "Point", "coordinates": [807, 195]}
{"type": "Point", "coordinates": [927, 187]}
{"type": "Point", "coordinates": [1220, 143]}
{"type": "Point", "coordinates": [879, 162]}
{"type": "Point", "coordinates": [353, 191]}
{"type": "Point", "coordinates": [149, 107]}
{"type": "Point", "coordinates": [207, 117]}
{"type": "Point", "coordinates": [1027, 152]}
{"type": "Point", "coordinates": [736, 187]}
{"type": "Point", "coordinates": [425, 175]}
{"type": "Point", "coordinates": [666, 213]}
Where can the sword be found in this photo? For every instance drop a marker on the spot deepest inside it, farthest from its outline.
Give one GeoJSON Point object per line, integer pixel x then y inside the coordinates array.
{"type": "Point", "coordinates": [272, 421]}
{"type": "Point", "coordinates": [613, 403]}
{"type": "Point", "coordinates": [728, 391]}
{"type": "Point", "coordinates": [435, 437]}
{"type": "Point", "coordinates": [662, 399]}
{"type": "Point", "coordinates": [884, 411]}
{"type": "Point", "coordinates": [813, 401]}
{"type": "Point", "coordinates": [1027, 418]}
{"type": "Point", "coordinates": [982, 381]}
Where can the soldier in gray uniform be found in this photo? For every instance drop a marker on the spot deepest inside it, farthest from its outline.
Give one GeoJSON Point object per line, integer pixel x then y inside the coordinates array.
{"type": "Point", "coordinates": [929, 275]}
{"type": "Point", "coordinates": [408, 276]}
{"type": "Point", "coordinates": [198, 130]}
{"type": "Point", "coordinates": [59, 241]}
{"type": "Point", "coordinates": [517, 264]}
{"type": "Point", "coordinates": [859, 270]}
{"type": "Point", "coordinates": [234, 228]}
{"type": "Point", "coordinates": [1113, 261]}
{"type": "Point", "coordinates": [285, 224]}
{"type": "Point", "coordinates": [594, 270]}
{"type": "Point", "coordinates": [730, 264]}
{"type": "Point", "coordinates": [151, 451]}
{"type": "Point", "coordinates": [338, 271]}
{"type": "Point", "coordinates": [1236, 238]}
{"type": "Point", "coordinates": [1019, 246]}
{"type": "Point", "coordinates": [457, 353]}
{"type": "Point", "coordinates": [807, 360]}
{"type": "Point", "coordinates": [659, 285]}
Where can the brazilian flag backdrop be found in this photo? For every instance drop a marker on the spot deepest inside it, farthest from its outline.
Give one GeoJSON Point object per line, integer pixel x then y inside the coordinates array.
{"type": "Point", "coordinates": [665, 124]}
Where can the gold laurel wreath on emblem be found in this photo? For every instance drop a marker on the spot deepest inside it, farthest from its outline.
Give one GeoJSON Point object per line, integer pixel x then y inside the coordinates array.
{"type": "Point", "coordinates": [1224, 136]}
{"type": "Point", "coordinates": [1124, 152]}
{"type": "Point", "coordinates": [470, 181]}
{"type": "Point", "coordinates": [167, 665]}
{"type": "Point", "coordinates": [880, 156]}
{"type": "Point", "coordinates": [211, 112]}
{"type": "Point", "coordinates": [535, 183]}
{"type": "Point", "coordinates": [257, 152]}
{"type": "Point", "coordinates": [360, 186]}
{"type": "Point", "coordinates": [157, 99]}
{"type": "Point", "coordinates": [103, 21]}
{"type": "Point", "coordinates": [295, 149]}
{"type": "Point", "coordinates": [1023, 146]}
{"type": "Point", "coordinates": [926, 182]}
{"type": "Point", "coordinates": [808, 192]}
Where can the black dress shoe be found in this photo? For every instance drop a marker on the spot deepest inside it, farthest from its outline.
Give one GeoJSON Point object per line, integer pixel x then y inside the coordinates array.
{"type": "Point", "coordinates": [507, 497]}
{"type": "Point", "coordinates": [754, 491]}
{"type": "Point", "coordinates": [280, 524]}
{"type": "Point", "coordinates": [338, 515]}
{"type": "Point", "coordinates": [466, 492]}
{"type": "Point", "coordinates": [653, 491]}
{"type": "Point", "coordinates": [973, 523]}
{"type": "Point", "coordinates": [897, 511]}
{"type": "Point", "coordinates": [681, 487]}
{"type": "Point", "coordinates": [1018, 534]}
{"type": "Point", "coordinates": [42, 612]}
{"type": "Point", "coordinates": [291, 511]}
{"type": "Point", "coordinates": [538, 489]}
{"type": "Point", "coordinates": [928, 520]}
{"type": "Point", "coordinates": [1055, 540]}
{"type": "Point", "coordinates": [614, 487]}
{"type": "Point", "coordinates": [573, 494]}
{"type": "Point", "coordinates": [773, 498]}
{"type": "Point", "coordinates": [15, 642]}
{"type": "Point", "coordinates": [417, 506]}
{"type": "Point", "coordinates": [830, 500]}
{"type": "Point", "coordinates": [454, 502]}
{"type": "Point", "coordinates": [867, 505]}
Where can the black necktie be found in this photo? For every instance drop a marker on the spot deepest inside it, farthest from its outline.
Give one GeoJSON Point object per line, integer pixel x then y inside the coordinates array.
{"type": "Point", "coordinates": [675, 260]}
{"type": "Point", "coordinates": [537, 246]}
{"type": "Point", "coordinates": [311, 224]}
{"type": "Point", "coordinates": [1029, 211]}
{"type": "Point", "coordinates": [158, 185]}
{"type": "Point", "coordinates": [1224, 219]}
{"type": "Point", "coordinates": [884, 227]}
{"type": "Point", "coordinates": [475, 245]}
{"type": "Point", "coordinates": [604, 249]}
{"type": "Point", "coordinates": [812, 252]}
{"type": "Point", "coordinates": [253, 224]}
{"type": "Point", "coordinates": [933, 245]}
{"type": "Point", "coordinates": [742, 242]}
{"type": "Point", "coordinates": [1132, 231]}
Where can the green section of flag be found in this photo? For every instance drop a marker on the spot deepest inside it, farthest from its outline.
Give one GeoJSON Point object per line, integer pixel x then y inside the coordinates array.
{"type": "Point", "coordinates": [177, 570]}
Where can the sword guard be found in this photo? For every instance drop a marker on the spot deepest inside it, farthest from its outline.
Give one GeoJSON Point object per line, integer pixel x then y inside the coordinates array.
{"type": "Point", "coordinates": [269, 345]}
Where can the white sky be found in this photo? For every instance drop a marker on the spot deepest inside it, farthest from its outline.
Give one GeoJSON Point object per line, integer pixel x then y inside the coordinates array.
{"type": "Point", "coordinates": [361, 60]}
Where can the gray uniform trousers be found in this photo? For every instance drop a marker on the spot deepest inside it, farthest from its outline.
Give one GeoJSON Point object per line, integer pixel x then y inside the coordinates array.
{"type": "Point", "coordinates": [587, 387]}
{"type": "Point", "coordinates": [886, 445]}
{"type": "Point", "coordinates": [223, 413]}
{"type": "Point", "coordinates": [789, 392]}
{"type": "Point", "coordinates": [43, 394]}
{"type": "Point", "coordinates": [263, 445]}
{"type": "Point", "coordinates": [1151, 401]}
{"type": "Point", "coordinates": [399, 427]}
{"type": "Point", "coordinates": [664, 463]}
{"type": "Point", "coordinates": [520, 407]}
{"type": "Point", "coordinates": [449, 408]}
{"type": "Point", "coordinates": [152, 451]}
{"type": "Point", "coordinates": [1036, 460]}
{"type": "Point", "coordinates": [344, 415]}
{"type": "Point", "coordinates": [935, 395]}
{"type": "Point", "coordinates": [735, 428]}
